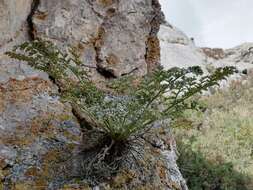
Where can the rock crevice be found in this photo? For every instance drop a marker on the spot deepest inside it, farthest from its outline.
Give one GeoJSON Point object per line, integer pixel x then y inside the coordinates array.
{"type": "Point", "coordinates": [31, 29]}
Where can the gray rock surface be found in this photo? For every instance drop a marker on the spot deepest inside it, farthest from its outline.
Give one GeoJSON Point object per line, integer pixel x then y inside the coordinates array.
{"type": "Point", "coordinates": [40, 139]}
{"type": "Point", "coordinates": [34, 125]}
{"type": "Point", "coordinates": [111, 35]}
{"type": "Point", "coordinates": [13, 16]}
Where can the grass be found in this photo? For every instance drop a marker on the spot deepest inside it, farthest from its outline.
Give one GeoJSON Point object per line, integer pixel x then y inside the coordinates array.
{"type": "Point", "coordinates": [221, 134]}
{"type": "Point", "coordinates": [203, 174]}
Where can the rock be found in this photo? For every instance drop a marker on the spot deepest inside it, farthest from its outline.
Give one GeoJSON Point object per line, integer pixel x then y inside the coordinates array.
{"type": "Point", "coordinates": [13, 16]}
{"type": "Point", "coordinates": [215, 53]}
{"type": "Point", "coordinates": [153, 166]}
{"type": "Point", "coordinates": [241, 54]}
{"type": "Point", "coordinates": [170, 34]}
{"type": "Point", "coordinates": [177, 50]}
{"type": "Point", "coordinates": [245, 72]}
{"type": "Point", "coordinates": [41, 143]}
{"type": "Point", "coordinates": [36, 129]}
{"type": "Point", "coordinates": [110, 35]}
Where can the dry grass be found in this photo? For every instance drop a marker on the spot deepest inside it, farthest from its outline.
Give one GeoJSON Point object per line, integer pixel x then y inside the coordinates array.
{"type": "Point", "coordinates": [223, 133]}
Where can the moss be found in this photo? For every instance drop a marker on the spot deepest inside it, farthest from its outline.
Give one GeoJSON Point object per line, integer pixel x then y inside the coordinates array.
{"type": "Point", "coordinates": [41, 15]}
{"type": "Point", "coordinates": [33, 171]}
{"type": "Point", "coordinates": [38, 127]}
{"type": "Point", "coordinates": [105, 2]}
{"type": "Point", "coordinates": [52, 167]}
{"type": "Point", "coordinates": [71, 136]}
{"type": "Point", "coordinates": [22, 186]}
{"type": "Point", "coordinates": [2, 175]}
{"type": "Point", "coordinates": [153, 53]}
{"type": "Point", "coordinates": [123, 178]}
{"type": "Point", "coordinates": [160, 167]}
{"type": "Point", "coordinates": [112, 59]}
{"type": "Point", "coordinates": [99, 39]}
{"type": "Point", "coordinates": [40, 184]}
{"type": "Point", "coordinates": [75, 187]}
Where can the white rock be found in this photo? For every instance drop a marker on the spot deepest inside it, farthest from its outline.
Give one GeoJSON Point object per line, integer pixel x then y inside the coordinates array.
{"type": "Point", "coordinates": [177, 50]}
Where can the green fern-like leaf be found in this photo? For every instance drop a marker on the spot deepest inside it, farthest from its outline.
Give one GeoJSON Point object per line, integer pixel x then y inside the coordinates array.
{"type": "Point", "coordinates": [132, 109]}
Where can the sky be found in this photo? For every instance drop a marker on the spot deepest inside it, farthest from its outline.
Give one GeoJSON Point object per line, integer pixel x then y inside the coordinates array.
{"type": "Point", "coordinates": [212, 23]}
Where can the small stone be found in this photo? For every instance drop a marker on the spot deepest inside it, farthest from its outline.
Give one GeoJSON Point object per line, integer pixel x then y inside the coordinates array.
{"type": "Point", "coordinates": [245, 71]}
{"type": "Point", "coordinates": [20, 77]}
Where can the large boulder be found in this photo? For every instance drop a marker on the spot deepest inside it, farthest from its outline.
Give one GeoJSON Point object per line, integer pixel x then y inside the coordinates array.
{"type": "Point", "coordinates": [42, 145]}
{"type": "Point", "coordinates": [177, 50]}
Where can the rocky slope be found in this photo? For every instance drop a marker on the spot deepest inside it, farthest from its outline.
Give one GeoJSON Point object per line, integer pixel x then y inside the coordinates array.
{"type": "Point", "coordinates": [177, 50]}
{"type": "Point", "coordinates": [41, 141]}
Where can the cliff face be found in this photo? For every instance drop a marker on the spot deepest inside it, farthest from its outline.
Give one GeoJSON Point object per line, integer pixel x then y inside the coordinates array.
{"type": "Point", "coordinates": [40, 139]}
{"type": "Point", "coordinates": [114, 36]}
{"type": "Point", "coordinates": [111, 35]}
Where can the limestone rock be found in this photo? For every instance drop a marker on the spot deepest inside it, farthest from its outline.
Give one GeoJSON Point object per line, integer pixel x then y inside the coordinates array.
{"type": "Point", "coordinates": [110, 35]}
{"type": "Point", "coordinates": [215, 53]}
{"type": "Point", "coordinates": [240, 54]}
{"type": "Point", "coordinates": [36, 129]}
{"type": "Point", "coordinates": [177, 50]}
{"type": "Point", "coordinates": [13, 16]}
{"type": "Point", "coordinates": [41, 141]}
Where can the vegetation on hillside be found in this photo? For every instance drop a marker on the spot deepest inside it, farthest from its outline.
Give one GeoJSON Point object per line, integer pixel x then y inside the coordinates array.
{"type": "Point", "coordinates": [216, 144]}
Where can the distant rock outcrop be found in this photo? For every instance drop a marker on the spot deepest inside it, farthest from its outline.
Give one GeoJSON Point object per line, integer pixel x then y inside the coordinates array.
{"type": "Point", "coordinates": [177, 50]}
